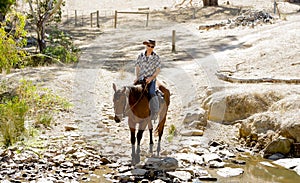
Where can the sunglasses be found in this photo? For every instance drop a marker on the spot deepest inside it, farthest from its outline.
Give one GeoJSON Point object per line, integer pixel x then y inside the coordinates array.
{"type": "Point", "coordinates": [150, 46]}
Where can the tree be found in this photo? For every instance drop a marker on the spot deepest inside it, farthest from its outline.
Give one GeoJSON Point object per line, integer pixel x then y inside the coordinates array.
{"type": "Point", "coordinates": [210, 2]}
{"type": "Point", "coordinates": [42, 12]}
{"type": "Point", "coordinates": [5, 6]}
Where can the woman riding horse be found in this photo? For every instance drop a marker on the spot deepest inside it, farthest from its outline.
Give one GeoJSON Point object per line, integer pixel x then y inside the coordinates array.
{"type": "Point", "coordinates": [132, 101]}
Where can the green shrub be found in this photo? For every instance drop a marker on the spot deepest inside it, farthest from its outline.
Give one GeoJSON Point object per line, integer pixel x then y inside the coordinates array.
{"type": "Point", "coordinates": [172, 132]}
{"type": "Point", "coordinates": [41, 100]}
{"type": "Point", "coordinates": [29, 102]}
{"type": "Point", "coordinates": [44, 119]}
{"type": "Point", "coordinates": [12, 117]}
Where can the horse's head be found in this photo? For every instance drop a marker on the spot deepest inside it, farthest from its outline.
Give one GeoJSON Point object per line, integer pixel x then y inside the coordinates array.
{"type": "Point", "coordinates": [119, 103]}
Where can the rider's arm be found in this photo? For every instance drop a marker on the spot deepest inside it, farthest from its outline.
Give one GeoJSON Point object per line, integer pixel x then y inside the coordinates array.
{"type": "Point", "coordinates": [148, 80]}
{"type": "Point", "coordinates": [155, 73]}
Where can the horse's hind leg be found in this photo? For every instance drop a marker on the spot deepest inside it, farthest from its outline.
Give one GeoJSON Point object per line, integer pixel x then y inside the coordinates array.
{"type": "Point", "coordinates": [151, 141]}
{"type": "Point", "coordinates": [150, 127]}
{"type": "Point", "coordinates": [160, 129]}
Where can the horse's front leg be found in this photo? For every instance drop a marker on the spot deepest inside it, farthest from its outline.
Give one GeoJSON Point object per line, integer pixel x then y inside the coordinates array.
{"type": "Point", "coordinates": [132, 140]}
{"type": "Point", "coordinates": [138, 149]}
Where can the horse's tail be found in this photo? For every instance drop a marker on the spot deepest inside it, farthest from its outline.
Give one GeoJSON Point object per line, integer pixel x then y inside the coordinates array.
{"type": "Point", "coordinates": [163, 113]}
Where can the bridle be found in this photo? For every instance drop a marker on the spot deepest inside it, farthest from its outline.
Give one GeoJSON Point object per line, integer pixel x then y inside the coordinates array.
{"type": "Point", "coordinates": [125, 103]}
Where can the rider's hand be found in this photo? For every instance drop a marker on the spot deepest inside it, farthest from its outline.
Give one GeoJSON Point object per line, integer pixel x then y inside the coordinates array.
{"type": "Point", "coordinates": [148, 80]}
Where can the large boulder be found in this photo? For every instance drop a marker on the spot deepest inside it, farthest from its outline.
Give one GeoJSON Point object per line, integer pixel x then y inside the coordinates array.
{"type": "Point", "coordinates": [289, 108]}
{"type": "Point", "coordinates": [290, 126]}
{"type": "Point", "coordinates": [259, 124]}
{"type": "Point", "coordinates": [281, 145]}
{"type": "Point", "coordinates": [229, 106]}
{"type": "Point", "coordinates": [282, 118]}
{"type": "Point", "coordinates": [196, 119]}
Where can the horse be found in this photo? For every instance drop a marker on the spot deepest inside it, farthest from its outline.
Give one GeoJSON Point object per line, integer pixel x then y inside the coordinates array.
{"type": "Point", "coordinates": [133, 101]}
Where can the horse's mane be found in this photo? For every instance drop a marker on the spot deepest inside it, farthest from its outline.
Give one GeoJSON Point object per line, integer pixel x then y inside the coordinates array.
{"type": "Point", "coordinates": [135, 90]}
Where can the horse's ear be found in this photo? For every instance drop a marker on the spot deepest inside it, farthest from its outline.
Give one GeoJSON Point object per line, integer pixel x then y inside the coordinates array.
{"type": "Point", "coordinates": [114, 87]}
{"type": "Point", "coordinates": [124, 89]}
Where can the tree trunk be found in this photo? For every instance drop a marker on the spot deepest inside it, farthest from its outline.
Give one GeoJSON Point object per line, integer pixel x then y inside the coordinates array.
{"type": "Point", "coordinates": [210, 2]}
{"type": "Point", "coordinates": [41, 36]}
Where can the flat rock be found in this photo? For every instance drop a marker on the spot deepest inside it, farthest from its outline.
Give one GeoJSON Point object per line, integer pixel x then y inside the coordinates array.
{"type": "Point", "coordinates": [182, 175]}
{"type": "Point", "coordinates": [71, 127]}
{"type": "Point", "coordinates": [288, 162]}
{"type": "Point", "coordinates": [210, 157]}
{"type": "Point", "coordinates": [192, 132]}
{"type": "Point", "coordinates": [161, 164]}
{"type": "Point", "coordinates": [230, 172]}
{"type": "Point", "coordinates": [216, 164]}
{"type": "Point", "coordinates": [191, 158]}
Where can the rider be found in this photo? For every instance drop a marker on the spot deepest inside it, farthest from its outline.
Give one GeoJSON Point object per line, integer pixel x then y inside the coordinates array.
{"type": "Point", "coordinates": [148, 67]}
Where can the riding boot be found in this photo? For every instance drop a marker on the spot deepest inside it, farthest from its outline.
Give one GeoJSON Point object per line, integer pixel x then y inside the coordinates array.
{"type": "Point", "coordinates": [154, 107]}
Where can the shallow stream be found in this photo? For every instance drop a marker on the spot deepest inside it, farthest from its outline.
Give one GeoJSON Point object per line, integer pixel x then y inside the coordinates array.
{"type": "Point", "coordinates": [254, 172]}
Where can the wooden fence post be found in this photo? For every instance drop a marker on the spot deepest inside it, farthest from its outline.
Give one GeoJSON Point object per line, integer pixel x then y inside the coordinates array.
{"type": "Point", "coordinates": [116, 14]}
{"type": "Point", "coordinates": [173, 41]}
{"type": "Point", "coordinates": [75, 17]}
{"type": "Point", "coordinates": [98, 25]}
{"type": "Point", "coordinates": [147, 19]}
{"type": "Point", "coordinates": [91, 19]}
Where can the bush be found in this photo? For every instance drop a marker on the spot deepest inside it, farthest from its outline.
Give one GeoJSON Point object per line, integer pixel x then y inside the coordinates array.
{"type": "Point", "coordinates": [172, 132]}
{"type": "Point", "coordinates": [41, 101]}
{"type": "Point", "coordinates": [28, 102]}
{"type": "Point", "coordinates": [12, 117]}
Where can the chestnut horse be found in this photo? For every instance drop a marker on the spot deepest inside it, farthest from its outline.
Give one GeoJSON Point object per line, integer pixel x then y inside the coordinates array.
{"type": "Point", "coordinates": [133, 101]}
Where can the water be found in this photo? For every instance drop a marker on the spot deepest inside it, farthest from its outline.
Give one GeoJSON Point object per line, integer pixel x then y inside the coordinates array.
{"type": "Point", "coordinates": [256, 172]}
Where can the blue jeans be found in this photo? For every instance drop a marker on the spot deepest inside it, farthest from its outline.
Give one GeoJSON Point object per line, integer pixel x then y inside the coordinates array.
{"type": "Point", "coordinates": [154, 103]}
{"type": "Point", "coordinates": [151, 88]}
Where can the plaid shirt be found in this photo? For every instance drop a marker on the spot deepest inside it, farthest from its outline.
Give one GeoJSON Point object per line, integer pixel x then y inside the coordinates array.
{"type": "Point", "coordinates": [147, 65]}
